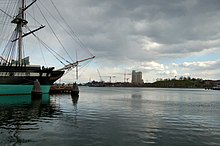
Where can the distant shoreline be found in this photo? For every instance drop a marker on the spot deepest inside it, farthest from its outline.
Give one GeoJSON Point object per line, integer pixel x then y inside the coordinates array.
{"type": "Point", "coordinates": [188, 83]}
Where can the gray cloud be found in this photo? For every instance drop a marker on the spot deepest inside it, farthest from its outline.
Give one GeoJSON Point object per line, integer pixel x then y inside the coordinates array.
{"type": "Point", "coordinates": [130, 32]}
{"type": "Point", "coordinates": [127, 32]}
{"type": "Point", "coordinates": [115, 27]}
{"type": "Point", "coordinates": [208, 65]}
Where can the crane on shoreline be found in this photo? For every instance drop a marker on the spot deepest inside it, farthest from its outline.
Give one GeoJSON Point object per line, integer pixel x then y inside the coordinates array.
{"type": "Point", "coordinates": [100, 76]}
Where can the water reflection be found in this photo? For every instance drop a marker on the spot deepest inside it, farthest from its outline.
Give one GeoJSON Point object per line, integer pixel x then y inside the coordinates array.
{"type": "Point", "coordinates": [22, 113]}
{"type": "Point", "coordinates": [75, 101]}
{"type": "Point", "coordinates": [136, 96]}
{"type": "Point", "coordinates": [126, 117]}
{"type": "Point", "coordinates": [136, 101]}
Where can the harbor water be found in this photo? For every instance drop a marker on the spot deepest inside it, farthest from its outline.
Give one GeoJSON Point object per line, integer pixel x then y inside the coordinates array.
{"type": "Point", "coordinates": [113, 117]}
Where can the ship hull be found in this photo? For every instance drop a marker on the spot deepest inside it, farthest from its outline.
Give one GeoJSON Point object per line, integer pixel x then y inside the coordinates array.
{"type": "Point", "coordinates": [17, 80]}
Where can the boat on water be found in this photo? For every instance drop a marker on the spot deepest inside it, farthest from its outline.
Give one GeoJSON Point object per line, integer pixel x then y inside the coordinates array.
{"type": "Point", "coordinates": [17, 74]}
{"type": "Point", "coordinates": [65, 88]}
{"type": "Point", "coordinates": [216, 87]}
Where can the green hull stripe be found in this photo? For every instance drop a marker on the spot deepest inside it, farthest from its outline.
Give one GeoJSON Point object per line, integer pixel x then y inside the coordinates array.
{"type": "Point", "coordinates": [21, 100]}
{"type": "Point", "coordinates": [21, 89]}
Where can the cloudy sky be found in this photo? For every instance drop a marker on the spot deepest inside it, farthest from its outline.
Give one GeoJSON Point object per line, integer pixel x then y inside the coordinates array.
{"type": "Point", "coordinates": [160, 38]}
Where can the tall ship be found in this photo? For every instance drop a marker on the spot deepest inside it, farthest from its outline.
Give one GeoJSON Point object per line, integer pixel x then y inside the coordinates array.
{"type": "Point", "coordinates": [17, 74]}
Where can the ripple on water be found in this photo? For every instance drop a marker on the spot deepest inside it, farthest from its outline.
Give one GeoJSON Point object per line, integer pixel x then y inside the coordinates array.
{"type": "Point", "coordinates": [115, 116]}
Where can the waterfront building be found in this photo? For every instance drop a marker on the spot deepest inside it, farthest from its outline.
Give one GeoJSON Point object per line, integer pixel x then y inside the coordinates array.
{"type": "Point", "coordinates": [136, 78]}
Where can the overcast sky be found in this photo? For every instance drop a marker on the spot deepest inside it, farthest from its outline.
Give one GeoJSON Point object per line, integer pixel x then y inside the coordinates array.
{"type": "Point", "coordinates": [160, 38]}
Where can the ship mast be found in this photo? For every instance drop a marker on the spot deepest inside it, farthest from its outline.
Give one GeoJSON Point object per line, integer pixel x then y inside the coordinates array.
{"type": "Point", "coordinates": [20, 31]}
{"type": "Point", "coordinates": [20, 21]}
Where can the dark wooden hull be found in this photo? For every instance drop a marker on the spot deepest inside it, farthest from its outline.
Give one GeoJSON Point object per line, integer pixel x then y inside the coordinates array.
{"type": "Point", "coordinates": [27, 75]}
{"type": "Point", "coordinates": [20, 80]}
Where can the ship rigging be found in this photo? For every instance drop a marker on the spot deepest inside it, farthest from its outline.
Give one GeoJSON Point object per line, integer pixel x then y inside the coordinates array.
{"type": "Point", "coordinates": [15, 67]}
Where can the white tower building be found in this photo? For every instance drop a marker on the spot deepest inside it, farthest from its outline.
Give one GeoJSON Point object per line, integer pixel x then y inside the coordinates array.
{"type": "Point", "coordinates": [137, 78]}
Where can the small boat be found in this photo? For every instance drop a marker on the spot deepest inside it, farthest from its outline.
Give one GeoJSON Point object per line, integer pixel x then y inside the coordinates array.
{"type": "Point", "coordinates": [216, 87]}
{"type": "Point", "coordinates": [65, 88]}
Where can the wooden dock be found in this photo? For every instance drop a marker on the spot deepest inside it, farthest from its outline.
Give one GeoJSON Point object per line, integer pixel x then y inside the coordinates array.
{"type": "Point", "coordinates": [65, 88]}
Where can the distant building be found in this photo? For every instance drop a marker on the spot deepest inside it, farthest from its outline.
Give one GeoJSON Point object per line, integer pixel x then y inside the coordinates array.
{"type": "Point", "coordinates": [137, 78]}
